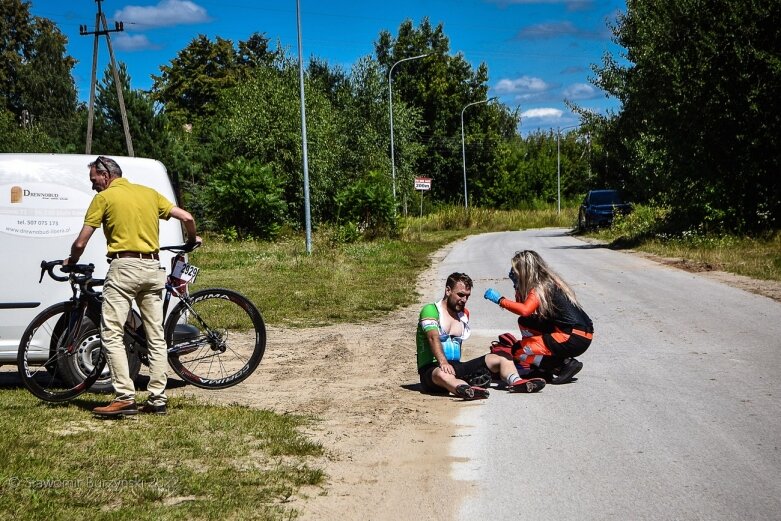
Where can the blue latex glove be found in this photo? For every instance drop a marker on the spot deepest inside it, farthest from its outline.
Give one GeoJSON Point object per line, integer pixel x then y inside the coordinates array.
{"type": "Point", "coordinates": [492, 295]}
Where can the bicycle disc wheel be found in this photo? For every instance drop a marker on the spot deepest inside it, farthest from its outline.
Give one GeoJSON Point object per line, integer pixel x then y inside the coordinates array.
{"type": "Point", "coordinates": [215, 339]}
{"type": "Point", "coordinates": [46, 348]}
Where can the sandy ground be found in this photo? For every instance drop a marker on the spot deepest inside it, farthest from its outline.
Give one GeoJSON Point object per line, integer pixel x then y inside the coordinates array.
{"type": "Point", "coordinates": [386, 443]}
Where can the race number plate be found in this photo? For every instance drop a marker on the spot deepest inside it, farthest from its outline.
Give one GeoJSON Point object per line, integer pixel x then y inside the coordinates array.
{"type": "Point", "coordinates": [185, 272]}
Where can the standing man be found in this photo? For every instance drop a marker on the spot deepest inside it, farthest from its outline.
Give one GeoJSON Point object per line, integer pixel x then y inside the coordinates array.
{"type": "Point", "coordinates": [130, 215]}
{"type": "Point", "coordinates": [442, 327]}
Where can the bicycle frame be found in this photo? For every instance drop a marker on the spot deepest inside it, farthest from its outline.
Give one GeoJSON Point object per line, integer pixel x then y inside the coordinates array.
{"type": "Point", "coordinates": [178, 288]}
{"type": "Point", "coordinates": [83, 303]}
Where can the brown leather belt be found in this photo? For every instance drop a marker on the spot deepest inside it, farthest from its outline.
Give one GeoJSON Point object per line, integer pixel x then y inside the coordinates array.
{"type": "Point", "coordinates": [134, 255]}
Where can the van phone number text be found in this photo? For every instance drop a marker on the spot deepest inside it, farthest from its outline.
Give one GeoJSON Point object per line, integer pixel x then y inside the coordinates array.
{"type": "Point", "coordinates": [31, 222]}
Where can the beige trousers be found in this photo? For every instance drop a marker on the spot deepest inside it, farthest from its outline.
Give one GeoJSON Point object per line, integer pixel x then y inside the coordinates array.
{"type": "Point", "coordinates": [142, 281]}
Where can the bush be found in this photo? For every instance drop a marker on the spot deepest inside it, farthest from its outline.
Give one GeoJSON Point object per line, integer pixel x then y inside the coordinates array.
{"type": "Point", "coordinates": [244, 199]}
{"type": "Point", "coordinates": [368, 204]}
{"type": "Point", "coordinates": [642, 221]}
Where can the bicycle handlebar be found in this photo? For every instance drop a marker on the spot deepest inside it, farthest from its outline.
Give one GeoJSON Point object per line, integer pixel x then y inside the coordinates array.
{"type": "Point", "coordinates": [79, 274]}
{"type": "Point", "coordinates": [184, 248]}
{"type": "Point", "coordinates": [80, 269]}
{"type": "Point", "coordinates": [85, 270]}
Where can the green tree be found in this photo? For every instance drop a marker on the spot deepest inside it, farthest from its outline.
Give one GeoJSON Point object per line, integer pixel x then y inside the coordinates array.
{"type": "Point", "coordinates": [440, 86]}
{"type": "Point", "coordinates": [191, 84]}
{"type": "Point", "coordinates": [260, 119]}
{"type": "Point", "coordinates": [368, 203]}
{"type": "Point", "coordinates": [148, 127]}
{"type": "Point", "coordinates": [700, 123]}
{"type": "Point", "coordinates": [365, 126]}
{"type": "Point", "coordinates": [17, 138]}
{"type": "Point", "coordinates": [36, 85]}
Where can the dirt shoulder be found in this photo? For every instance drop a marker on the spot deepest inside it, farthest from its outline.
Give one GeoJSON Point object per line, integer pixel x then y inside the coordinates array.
{"type": "Point", "coordinates": [387, 445]}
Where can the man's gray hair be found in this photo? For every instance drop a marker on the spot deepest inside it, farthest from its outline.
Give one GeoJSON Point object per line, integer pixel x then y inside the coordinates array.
{"type": "Point", "coordinates": [106, 164]}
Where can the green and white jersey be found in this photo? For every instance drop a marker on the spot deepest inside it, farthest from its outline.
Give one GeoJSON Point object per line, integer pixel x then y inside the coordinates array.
{"type": "Point", "coordinates": [429, 320]}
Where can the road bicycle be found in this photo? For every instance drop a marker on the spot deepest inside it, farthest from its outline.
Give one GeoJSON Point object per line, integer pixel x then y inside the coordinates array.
{"type": "Point", "coordinates": [216, 337]}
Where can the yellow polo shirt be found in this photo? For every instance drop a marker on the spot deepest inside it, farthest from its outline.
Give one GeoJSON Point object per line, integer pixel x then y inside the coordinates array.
{"type": "Point", "coordinates": [130, 215]}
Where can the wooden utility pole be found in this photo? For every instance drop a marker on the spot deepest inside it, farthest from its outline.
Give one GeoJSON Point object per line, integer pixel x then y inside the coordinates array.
{"type": "Point", "coordinates": [100, 19]}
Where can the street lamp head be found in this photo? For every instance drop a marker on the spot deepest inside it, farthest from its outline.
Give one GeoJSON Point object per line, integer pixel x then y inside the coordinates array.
{"type": "Point", "coordinates": [390, 111]}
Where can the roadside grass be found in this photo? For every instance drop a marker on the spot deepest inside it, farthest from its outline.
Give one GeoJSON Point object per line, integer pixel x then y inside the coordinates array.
{"type": "Point", "coordinates": [198, 462]}
{"type": "Point", "coordinates": [755, 257]}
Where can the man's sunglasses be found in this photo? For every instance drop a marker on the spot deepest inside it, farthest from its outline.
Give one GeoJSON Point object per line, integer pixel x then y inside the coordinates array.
{"type": "Point", "coordinates": [99, 160]}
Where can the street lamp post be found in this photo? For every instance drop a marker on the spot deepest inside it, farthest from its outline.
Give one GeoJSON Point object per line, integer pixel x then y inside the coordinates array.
{"type": "Point", "coordinates": [390, 109]}
{"type": "Point", "coordinates": [558, 164]}
{"type": "Point", "coordinates": [307, 216]}
{"type": "Point", "coordinates": [463, 146]}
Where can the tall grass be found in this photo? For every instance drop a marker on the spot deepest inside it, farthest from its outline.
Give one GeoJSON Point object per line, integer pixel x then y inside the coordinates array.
{"type": "Point", "coordinates": [644, 230]}
{"type": "Point", "coordinates": [475, 220]}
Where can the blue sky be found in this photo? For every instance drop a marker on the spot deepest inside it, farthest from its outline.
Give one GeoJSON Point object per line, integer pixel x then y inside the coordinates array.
{"type": "Point", "coordinates": [538, 52]}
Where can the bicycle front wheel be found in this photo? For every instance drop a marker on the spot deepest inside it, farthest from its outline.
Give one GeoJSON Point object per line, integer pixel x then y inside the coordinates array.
{"type": "Point", "coordinates": [216, 338]}
{"type": "Point", "coordinates": [49, 344]}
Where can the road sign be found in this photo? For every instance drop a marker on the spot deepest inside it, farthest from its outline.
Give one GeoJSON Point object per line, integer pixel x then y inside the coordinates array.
{"type": "Point", "coordinates": [422, 183]}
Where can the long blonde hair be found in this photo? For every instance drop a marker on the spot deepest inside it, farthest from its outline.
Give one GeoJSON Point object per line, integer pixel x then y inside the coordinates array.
{"type": "Point", "coordinates": [531, 272]}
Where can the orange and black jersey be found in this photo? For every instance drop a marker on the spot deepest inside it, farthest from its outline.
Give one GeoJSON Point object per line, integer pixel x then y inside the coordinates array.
{"type": "Point", "coordinates": [566, 316]}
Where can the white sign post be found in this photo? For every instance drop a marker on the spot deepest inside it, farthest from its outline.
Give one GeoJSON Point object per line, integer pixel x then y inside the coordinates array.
{"type": "Point", "coordinates": [422, 184]}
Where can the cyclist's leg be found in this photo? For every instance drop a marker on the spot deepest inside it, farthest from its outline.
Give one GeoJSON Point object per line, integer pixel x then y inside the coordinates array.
{"type": "Point", "coordinates": [118, 292]}
{"type": "Point", "coordinates": [150, 303]}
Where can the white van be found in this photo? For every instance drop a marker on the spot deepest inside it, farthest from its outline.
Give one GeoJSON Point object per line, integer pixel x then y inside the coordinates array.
{"type": "Point", "coordinates": [43, 199]}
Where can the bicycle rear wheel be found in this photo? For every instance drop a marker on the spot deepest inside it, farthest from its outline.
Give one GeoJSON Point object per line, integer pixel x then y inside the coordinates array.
{"type": "Point", "coordinates": [77, 366]}
{"type": "Point", "coordinates": [216, 338]}
{"type": "Point", "coordinates": [47, 347]}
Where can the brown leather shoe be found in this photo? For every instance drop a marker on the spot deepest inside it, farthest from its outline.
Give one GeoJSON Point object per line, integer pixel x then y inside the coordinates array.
{"type": "Point", "coordinates": [117, 408]}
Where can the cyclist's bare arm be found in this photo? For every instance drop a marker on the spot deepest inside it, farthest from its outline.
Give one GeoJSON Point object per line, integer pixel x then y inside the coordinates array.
{"type": "Point", "coordinates": [189, 223]}
{"type": "Point", "coordinates": [77, 248]}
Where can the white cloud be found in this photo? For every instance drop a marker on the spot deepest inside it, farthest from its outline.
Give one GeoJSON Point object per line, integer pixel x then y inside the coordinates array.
{"type": "Point", "coordinates": [132, 42]}
{"type": "Point", "coordinates": [580, 91]}
{"type": "Point", "coordinates": [542, 113]}
{"type": "Point", "coordinates": [165, 14]}
{"type": "Point", "coordinates": [522, 85]}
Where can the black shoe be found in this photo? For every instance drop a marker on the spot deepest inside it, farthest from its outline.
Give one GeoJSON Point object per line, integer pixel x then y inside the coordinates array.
{"type": "Point", "coordinates": [465, 392]}
{"type": "Point", "coordinates": [480, 392]}
{"type": "Point", "coordinates": [537, 372]}
{"type": "Point", "coordinates": [567, 371]}
{"type": "Point", "coordinates": [471, 393]}
{"type": "Point", "coordinates": [148, 408]}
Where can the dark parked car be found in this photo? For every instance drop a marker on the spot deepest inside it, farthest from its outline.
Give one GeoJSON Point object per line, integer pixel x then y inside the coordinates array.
{"type": "Point", "coordinates": [599, 207]}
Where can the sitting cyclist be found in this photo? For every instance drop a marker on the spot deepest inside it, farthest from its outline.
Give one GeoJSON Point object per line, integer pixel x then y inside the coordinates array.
{"type": "Point", "coordinates": [442, 327]}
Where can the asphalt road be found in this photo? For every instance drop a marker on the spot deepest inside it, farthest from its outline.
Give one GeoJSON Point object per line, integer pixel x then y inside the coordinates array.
{"type": "Point", "coordinates": [676, 414]}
